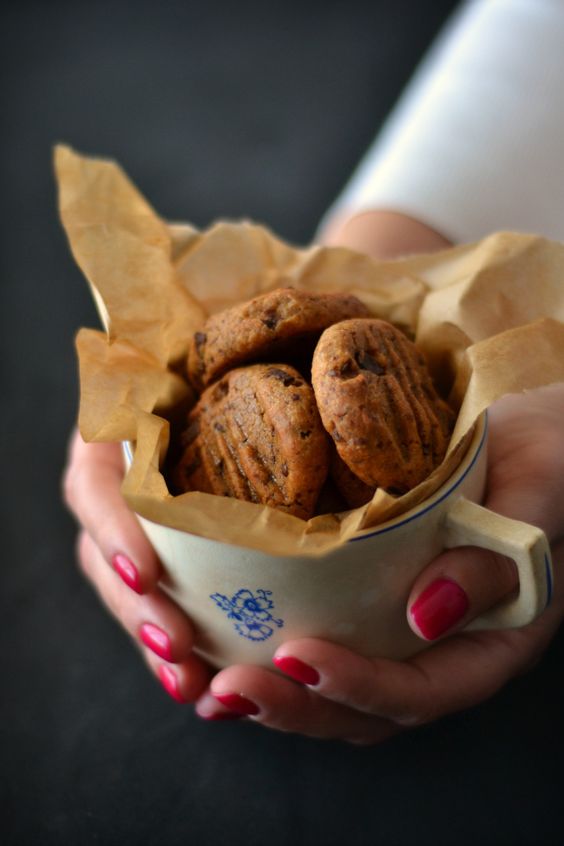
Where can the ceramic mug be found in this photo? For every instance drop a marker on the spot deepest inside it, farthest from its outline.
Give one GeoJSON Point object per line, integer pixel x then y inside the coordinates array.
{"type": "Point", "coordinates": [244, 603]}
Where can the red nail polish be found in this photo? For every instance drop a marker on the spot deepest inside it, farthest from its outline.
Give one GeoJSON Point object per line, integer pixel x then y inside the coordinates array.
{"type": "Point", "coordinates": [296, 669]}
{"type": "Point", "coordinates": [237, 703]}
{"type": "Point", "coordinates": [127, 570]}
{"type": "Point", "coordinates": [156, 640]}
{"type": "Point", "coordinates": [170, 683]}
{"type": "Point", "coordinates": [438, 608]}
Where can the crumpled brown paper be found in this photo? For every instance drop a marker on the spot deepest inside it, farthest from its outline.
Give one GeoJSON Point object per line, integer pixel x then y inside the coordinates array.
{"type": "Point", "coordinates": [489, 316]}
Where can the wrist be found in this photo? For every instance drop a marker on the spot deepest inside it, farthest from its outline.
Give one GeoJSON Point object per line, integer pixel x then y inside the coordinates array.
{"type": "Point", "coordinates": [383, 234]}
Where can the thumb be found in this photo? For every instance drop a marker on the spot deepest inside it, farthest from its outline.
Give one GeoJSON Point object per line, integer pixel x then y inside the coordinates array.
{"type": "Point", "coordinates": [463, 583]}
{"type": "Point", "coordinates": [456, 587]}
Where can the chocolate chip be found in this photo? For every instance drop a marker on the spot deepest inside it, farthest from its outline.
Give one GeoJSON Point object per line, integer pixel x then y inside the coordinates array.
{"type": "Point", "coordinates": [286, 378]}
{"type": "Point", "coordinates": [367, 362]}
{"type": "Point", "coordinates": [271, 320]}
{"type": "Point", "coordinates": [220, 391]}
{"type": "Point", "coordinates": [347, 370]}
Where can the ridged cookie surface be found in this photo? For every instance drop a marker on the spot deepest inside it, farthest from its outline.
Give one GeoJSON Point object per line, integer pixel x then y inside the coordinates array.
{"type": "Point", "coordinates": [378, 402]}
{"type": "Point", "coordinates": [262, 328]}
{"type": "Point", "coordinates": [256, 435]}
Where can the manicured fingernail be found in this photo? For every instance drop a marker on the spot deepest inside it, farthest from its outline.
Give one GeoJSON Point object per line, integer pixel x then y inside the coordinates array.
{"type": "Point", "coordinates": [127, 570]}
{"type": "Point", "coordinates": [170, 683]}
{"type": "Point", "coordinates": [296, 669]}
{"type": "Point", "coordinates": [439, 608]}
{"type": "Point", "coordinates": [156, 640]}
{"type": "Point", "coordinates": [237, 703]}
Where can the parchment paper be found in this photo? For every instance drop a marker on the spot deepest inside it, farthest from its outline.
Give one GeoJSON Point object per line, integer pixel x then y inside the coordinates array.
{"type": "Point", "coordinates": [489, 317]}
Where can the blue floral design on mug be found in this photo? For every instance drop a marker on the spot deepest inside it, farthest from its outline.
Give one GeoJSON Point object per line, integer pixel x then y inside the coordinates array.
{"type": "Point", "coordinates": [251, 611]}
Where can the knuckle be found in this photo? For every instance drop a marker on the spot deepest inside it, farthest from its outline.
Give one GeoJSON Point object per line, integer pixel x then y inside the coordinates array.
{"type": "Point", "coordinates": [69, 485]}
{"type": "Point", "coordinates": [425, 711]}
{"type": "Point", "coordinates": [366, 699]}
{"type": "Point", "coordinates": [75, 483]}
{"type": "Point", "coordinates": [69, 481]}
{"type": "Point", "coordinates": [417, 720]}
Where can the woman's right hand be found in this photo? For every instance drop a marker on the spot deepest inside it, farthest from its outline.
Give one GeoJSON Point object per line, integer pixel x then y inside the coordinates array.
{"type": "Point", "coordinates": [116, 557]}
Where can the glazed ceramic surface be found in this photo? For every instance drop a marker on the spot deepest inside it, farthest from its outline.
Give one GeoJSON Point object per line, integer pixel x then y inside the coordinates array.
{"type": "Point", "coordinates": [245, 603]}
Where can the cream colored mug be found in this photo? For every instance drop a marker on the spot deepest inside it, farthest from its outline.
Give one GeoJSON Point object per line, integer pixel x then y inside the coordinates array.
{"type": "Point", "coordinates": [245, 603]}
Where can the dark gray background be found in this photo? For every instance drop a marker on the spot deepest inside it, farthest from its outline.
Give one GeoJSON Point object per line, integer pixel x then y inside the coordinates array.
{"type": "Point", "coordinates": [219, 109]}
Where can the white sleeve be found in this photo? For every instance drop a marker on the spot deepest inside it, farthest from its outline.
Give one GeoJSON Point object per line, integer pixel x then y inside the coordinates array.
{"type": "Point", "coordinates": [476, 142]}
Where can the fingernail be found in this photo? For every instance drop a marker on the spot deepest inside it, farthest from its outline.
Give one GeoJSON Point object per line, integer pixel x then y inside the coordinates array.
{"type": "Point", "coordinates": [296, 669]}
{"type": "Point", "coordinates": [237, 703]}
{"type": "Point", "coordinates": [170, 683]}
{"type": "Point", "coordinates": [438, 608]}
{"type": "Point", "coordinates": [156, 640]}
{"type": "Point", "coordinates": [127, 571]}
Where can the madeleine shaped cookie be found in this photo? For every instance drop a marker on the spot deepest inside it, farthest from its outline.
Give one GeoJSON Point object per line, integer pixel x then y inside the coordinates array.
{"type": "Point", "coordinates": [354, 491]}
{"type": "Point", "coordinates": [256, 435]}
{"type": "Point", "coordinates": [263, 328]}
{"type": "Point", "coordinates": [378, 402]}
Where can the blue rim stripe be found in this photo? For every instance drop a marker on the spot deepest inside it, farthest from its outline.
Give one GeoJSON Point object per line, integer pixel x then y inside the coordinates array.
{"type": "Point", "coordinates": [434, 504]}
{"type": "Point", "coordinates": [425, 510]}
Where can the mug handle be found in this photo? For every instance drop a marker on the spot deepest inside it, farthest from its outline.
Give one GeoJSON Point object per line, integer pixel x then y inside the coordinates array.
{"type": "Point", "coordinates": [469, 524]}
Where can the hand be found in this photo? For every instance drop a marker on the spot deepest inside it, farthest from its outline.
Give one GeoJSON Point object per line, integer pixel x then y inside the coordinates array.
{"type": "Point", "coordinates": [117, 558]}
{"type": "Point", "coordinates": [119, 561]}
{"type": "Point", "coordinates": [343, 695]}
{"type": "Point", "coordinates": [364, 701]}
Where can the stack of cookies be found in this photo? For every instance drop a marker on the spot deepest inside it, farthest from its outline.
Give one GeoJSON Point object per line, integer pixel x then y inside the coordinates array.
{"type": "Point", "coordinates": [262, 432]}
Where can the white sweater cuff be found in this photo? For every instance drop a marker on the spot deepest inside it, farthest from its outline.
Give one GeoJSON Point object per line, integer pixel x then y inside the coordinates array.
{"type": "Point", "coordinates": [476, 142]}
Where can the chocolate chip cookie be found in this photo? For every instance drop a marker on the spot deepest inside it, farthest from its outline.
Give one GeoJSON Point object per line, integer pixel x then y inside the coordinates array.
{"type": "Point", "coordinates": [354, 491]}
{"type": "Point", "coordinates": [377, 400]}
{"type": "Point", "coordinates": [256, 435]}
{"type": "Point", "coordinates": [263, 328]}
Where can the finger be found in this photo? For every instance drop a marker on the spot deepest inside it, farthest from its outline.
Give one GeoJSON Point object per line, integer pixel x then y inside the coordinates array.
{"type": "Point", "coordinates": [278, 703]}
{"type": "Point", "coordinates": [462, 584]}
{"type": "Point", "coordinates": [456, 587]}
{"type": "Point", "coordinates": [92, 485]}
{"type": "Point", "coordinates": [530, 488]}
{"type": "Point", "coordinates": [185, 681]}
{"type": "Point", "coordinates": [455, 673]}
{"type": "Point", "coordinates": [383, 234]}
{"type": "Point", "coordinates": [412, 692]}
{"type": "Point", "coordinates": [209, 708]}
{"type": "Point", "coordinates": [153, 620]}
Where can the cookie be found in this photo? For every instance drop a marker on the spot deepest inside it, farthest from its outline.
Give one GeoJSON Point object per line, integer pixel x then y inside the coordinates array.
{"type": "Point", "coordinates": [377, 400]}
{"type": "Point", "coordinates": [264, 327]}
{"type": "Point", "coordinates": [256, 435]}
{"type": "Point", "coordinates": [354, 491]}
